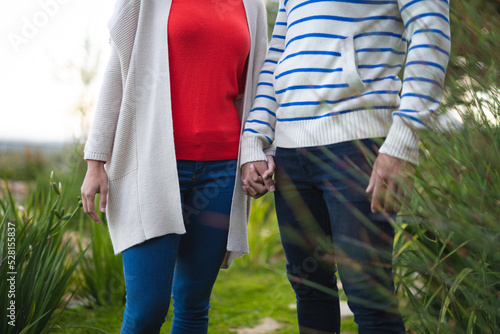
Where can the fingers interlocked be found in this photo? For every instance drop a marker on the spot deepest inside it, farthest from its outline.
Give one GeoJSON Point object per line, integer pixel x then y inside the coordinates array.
{"type": "Point", "coordinates": [257, 177]}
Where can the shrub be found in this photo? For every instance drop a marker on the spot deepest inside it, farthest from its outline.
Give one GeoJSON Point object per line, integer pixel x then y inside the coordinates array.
{"type": "Point", "coordinates": [35, 266]}
{"type": "Point", "coordinates": [448, 255]}
{"type": "Point", "coordinates": [100, 274]}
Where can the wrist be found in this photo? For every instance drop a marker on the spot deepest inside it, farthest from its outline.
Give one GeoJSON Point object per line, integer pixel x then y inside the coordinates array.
{"type": "Point", "coordinates": [95, 163]}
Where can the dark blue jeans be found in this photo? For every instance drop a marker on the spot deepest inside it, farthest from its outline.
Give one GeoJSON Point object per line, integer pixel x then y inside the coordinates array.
{"type": "Point", "coordinates": [187, 265]}
{"type": "Point", "coordinates": [326, 226]}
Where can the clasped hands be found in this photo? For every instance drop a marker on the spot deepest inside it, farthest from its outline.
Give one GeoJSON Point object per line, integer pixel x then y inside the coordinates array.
{"type": "Point", "coordinates": [257, 177]}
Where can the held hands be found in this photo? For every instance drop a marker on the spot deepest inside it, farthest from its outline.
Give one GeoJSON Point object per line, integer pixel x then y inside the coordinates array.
{"type": "Point", "coordinates": [257, 177]}
{"type": "Point", "coordinates": [95, 182]}
{"type": "Point", "coordinates": [390, 183]}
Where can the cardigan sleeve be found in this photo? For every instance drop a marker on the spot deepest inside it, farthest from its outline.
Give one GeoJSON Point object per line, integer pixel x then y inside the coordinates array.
{"type": "Point", "coordinates": [428, 27]}
{"type": "Point", "coordinates": [102, 132]}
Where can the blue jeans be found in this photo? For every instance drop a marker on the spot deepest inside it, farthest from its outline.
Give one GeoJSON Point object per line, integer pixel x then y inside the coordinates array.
{"type": "Point", "coordinates": [184, 266]}
{"type": "Point", "coordinates": [326, 226]}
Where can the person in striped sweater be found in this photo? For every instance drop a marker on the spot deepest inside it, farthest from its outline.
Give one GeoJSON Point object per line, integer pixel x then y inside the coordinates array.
{"type": "Point", "coordinates": [329, 97]}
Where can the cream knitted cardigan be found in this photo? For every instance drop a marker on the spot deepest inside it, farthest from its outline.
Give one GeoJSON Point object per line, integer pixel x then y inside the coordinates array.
{"type": "Point", "coordinates": [132, 126]}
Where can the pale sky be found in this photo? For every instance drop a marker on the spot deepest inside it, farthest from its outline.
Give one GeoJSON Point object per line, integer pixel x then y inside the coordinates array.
{"type": "Point", "coordinates": [39, 39]}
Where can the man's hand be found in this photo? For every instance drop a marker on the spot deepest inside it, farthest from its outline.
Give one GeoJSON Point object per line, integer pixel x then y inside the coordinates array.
{"type": "Point", "coordinates": [257, 177]}
{"type": "Point", "coordinates": [390, 183]}
{"type": "Point", "coordinates": [95, 182]}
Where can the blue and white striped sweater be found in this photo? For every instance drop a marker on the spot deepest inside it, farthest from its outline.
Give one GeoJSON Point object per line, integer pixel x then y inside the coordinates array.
{"type": "Point", "coordinates": [331, 74]}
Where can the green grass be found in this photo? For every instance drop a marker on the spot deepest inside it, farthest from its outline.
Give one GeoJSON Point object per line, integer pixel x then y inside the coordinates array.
{"type": "Point", "coordinates": [242, 296]}
{"type": "Point", "coordinates": [105, 319]}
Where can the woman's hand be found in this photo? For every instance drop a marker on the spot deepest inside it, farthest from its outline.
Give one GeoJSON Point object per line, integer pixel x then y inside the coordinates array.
{"type": "Point", "coordinates": [257, 177]}
{"type": "Point", "coordinates": [391, 183]}
{"type": "Point", "coordinates": [95, 182]}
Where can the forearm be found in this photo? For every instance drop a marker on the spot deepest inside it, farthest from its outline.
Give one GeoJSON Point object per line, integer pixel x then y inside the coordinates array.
{"type": "Point", "coordinates": [427, 24]}
{"type": "Point", "coordinates": [101, 136]}
{"type": "Point", "coordinates": [258, 136]}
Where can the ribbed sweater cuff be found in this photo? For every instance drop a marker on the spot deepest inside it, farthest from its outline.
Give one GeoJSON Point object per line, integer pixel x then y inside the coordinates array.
{"type": "Point", "coordinates": [271, 150]}
{"type": "Point", "coordinates": [96, 156]}
{"type": "Point", "coordinates": [252, 150]}
{"type": "Point", "coordinates": [401, 142]}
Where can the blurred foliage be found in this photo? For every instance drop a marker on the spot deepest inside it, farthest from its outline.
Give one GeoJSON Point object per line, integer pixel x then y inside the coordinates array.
{"type": "Point", "coordinates": [272, 12]}
{"type": "Point", "coordinates": [448, 254]}
{"type": "Point", "coordinates": [263, 234]}
{"type": "Point", "coordinates": [25, 164]}
{"type": "Point", "coordinates": [475, 31]}
{"type": "Point", "coordinates": [100, 273]}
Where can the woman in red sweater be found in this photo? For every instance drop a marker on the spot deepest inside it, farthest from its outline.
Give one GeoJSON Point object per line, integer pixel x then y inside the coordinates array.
{"type": "Point", "coordinates": [215, 50]}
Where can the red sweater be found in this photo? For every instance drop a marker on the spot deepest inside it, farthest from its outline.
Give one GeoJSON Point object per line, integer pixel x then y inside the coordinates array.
{"type": "Point", "coordinates": [208, 43]}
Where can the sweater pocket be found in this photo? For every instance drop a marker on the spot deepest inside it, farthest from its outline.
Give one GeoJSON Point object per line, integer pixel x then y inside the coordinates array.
{"type": "Point", "coordinates": [350, 65]}
{"type": "Point", "coordinates": [123, 213]}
